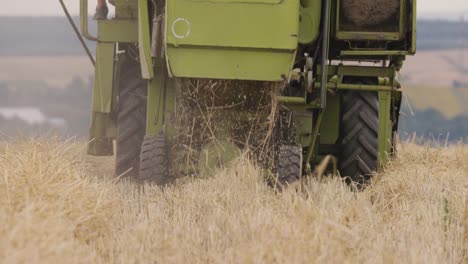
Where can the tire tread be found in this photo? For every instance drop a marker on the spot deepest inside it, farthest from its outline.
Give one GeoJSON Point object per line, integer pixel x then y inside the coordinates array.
{"type": "Point", "coordinates": [360, 130]}
{"type": "Point", "coordinates": [131, 118]}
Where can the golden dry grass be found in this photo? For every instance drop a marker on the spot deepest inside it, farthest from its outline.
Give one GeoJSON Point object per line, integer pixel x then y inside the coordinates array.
{"type": "Point", "coordinates": [57, 206]}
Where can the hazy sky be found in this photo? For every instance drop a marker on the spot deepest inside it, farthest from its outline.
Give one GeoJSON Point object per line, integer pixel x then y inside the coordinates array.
{"type": "Point", "coordinates": [427, 8]}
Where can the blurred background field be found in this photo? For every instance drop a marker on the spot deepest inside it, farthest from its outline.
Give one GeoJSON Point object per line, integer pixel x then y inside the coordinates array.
{"type": "Point", "coordinates": [46, 80]}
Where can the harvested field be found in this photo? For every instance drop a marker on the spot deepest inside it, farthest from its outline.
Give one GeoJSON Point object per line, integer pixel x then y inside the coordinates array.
{"type": "Point", "coordinates": [59, 206]}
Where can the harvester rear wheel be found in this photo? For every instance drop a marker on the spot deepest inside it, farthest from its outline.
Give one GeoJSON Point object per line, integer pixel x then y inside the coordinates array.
{"type": "Point", "coordinates": [359, 140]}
{"type": "Point", "coordinates": [154, 160]}
{"type": "Point", "coordinates": [289, 165]}
{"type": "Point", "coordinates": [131, 117]}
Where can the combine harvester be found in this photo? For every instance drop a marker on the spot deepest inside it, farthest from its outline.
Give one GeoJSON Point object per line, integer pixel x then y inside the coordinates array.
{"type": "Point", "coordinates": [331, 64]}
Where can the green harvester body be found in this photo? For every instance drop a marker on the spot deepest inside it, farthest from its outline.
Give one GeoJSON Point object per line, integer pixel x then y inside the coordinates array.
{"type": "Point", "coordinates": [258, 40]}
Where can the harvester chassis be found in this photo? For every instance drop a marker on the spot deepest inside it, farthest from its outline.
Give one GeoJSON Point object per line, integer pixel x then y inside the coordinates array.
{"type": "Point", "coordinates": [322, 104]}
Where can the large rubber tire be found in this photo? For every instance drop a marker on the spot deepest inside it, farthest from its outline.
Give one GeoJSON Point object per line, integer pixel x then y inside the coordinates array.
{"type": "Point", "coordinates": [290, 161]}
{"type": "Point", "coordinates": [359, 136]}
{"type": "Point", "coordinates": [133, 91]}
{"type": "Point", "coordinates": [154, 160]}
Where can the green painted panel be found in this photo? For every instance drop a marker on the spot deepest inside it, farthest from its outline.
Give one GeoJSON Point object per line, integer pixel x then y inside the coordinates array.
{"type": "Point", "coordinates": [103, 77]}
{"type": "Point", "coordinates": [251, 24]}
{"type": "Point", "coordinates": [368, 35]}
{"type": "Point", "coordinates": [232, 39]}
{"type": "Point", "coordinates": [310, 21]}
{"type": "Point", "coordinates": [413, 28]}
{"type": "Point", "coordinates": [239, 64]}
{"type": "Point", "coordinates": [374, 53]}
{"type": "Point", "coordinates": [124, 31]}
{"type": "Point", "coordinates": [330, 128]}
{"type": "Point", "coordinates": [144, 40]}
{"type": "Point", "coordinates": [155, 102]}
{"type": "Point", "coordinates": [103, 127]}
{"type": "Point", "coordinates": [385, 131]}
{"type": "Point", "coordinates": [102, 132]}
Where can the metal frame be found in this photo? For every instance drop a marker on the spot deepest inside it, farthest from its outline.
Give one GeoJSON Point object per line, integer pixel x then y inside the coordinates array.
{"type": "Point", "coordinates": [84, 21]}
{"type": "Point", "coordinates": [132, 25]}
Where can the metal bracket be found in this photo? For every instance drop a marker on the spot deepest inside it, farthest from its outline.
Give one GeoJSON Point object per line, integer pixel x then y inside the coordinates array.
{"type": "Point", "coordinates": [144, 40]}
{"type": "Point", "coordinates": [84, 21]}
